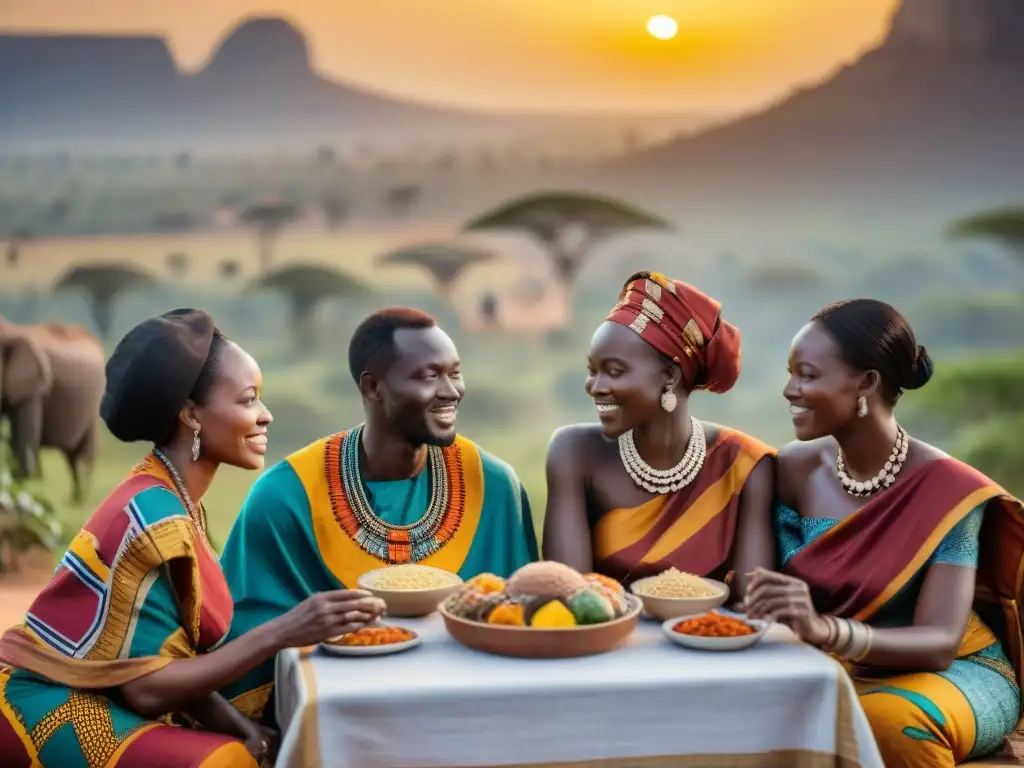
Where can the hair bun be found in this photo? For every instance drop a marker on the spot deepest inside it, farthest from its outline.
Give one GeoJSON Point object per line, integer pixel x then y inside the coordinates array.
{"type": "Point", "coordinates": [922, 371]}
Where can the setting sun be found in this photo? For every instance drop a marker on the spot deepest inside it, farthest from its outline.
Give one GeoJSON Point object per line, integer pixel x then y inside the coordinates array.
{"type": "Point", "coordinates": [662, 27]}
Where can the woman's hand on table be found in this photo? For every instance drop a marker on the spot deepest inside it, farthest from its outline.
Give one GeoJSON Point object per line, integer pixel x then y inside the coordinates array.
{"type": "Point", "coordinates": [327, 615]}
{"type": "Point", "coordinates": [774, 596]}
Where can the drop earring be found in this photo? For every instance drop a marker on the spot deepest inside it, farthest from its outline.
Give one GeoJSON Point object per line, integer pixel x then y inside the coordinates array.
{"type": "Point", "coordinates": [195, 445]}
{"type": "Point", "coordinates": [668, 401]}
{"type": "Point", "coordinates": [862, 406]}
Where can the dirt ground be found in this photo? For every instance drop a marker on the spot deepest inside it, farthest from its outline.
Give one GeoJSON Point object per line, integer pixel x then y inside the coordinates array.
{"type": "Point", "coordinates": [20, 585]}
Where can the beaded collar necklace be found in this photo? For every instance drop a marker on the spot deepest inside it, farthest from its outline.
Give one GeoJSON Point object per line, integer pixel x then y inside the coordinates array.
{"type": "Point", "coordinates": [198, 514]}
{"type": "Point", "coordinates": [387, 542]}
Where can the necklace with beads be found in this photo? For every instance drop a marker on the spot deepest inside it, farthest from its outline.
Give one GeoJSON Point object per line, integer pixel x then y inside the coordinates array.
{"type": "Point", "coordinates": [664, 481]}
{"type": "Point", "coordinates": [885, 477]}
{"type": "Point", "coordinates": [385, 541]}
{"type": "Point", "coordinates": [198, 515]}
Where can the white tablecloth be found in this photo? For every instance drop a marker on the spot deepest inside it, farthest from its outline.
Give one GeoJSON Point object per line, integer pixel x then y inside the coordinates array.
{"type": "Point", "coordinates": [780, 704]}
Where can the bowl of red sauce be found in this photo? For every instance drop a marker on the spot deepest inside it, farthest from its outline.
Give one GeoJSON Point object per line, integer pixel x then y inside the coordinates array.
{"type": "Point", "coordinates": [714, 631]}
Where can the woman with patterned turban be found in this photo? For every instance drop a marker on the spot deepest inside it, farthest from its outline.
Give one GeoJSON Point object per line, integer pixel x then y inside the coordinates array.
{"type": "Point", "coordinates": [120, 656]}
{"type": "Point", "coordinates": [650, 487]}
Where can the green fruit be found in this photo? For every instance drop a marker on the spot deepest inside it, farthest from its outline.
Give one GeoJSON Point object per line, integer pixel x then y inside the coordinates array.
{"type": "Point", "coordinates": [591, 607]}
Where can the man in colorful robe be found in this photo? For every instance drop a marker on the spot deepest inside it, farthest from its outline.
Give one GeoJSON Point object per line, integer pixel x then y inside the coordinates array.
{"type": "Point", "coordinates": [401, 487]}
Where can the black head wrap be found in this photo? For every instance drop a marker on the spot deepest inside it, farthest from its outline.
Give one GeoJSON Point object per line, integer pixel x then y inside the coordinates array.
{"type": "Point", "coordinates": [152, 372]}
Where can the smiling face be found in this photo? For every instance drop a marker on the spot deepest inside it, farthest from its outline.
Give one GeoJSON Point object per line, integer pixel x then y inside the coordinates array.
{"type": "Point", "coordinates": [232, 418]}
{"type": "Point", "coordinates": [822, 389]}
{"type": "Point", "coordinates": [626, 377]}
{"type": "Point", "coordinates": [421, 390]}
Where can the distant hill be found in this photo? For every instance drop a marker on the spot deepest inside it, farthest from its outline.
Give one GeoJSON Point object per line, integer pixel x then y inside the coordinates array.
{"type": "Point", "coordinates": [934, 113]}
{"type": "Point", "coordinates": [259, 89]}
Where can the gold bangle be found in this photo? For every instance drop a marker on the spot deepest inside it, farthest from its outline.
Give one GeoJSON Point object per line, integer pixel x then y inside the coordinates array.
{"type": "Point", "coordinates": [862, 647]}
{"type": "Point", "coordinates": [843, 636]}
{"type": "Point", "coordinates": [831, 639]}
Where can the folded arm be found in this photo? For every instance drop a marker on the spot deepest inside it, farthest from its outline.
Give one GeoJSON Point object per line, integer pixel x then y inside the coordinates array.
{"type": "Point", "coordinates": [931, 643]}
{"type": "Point", "coordinates": [188, 681]}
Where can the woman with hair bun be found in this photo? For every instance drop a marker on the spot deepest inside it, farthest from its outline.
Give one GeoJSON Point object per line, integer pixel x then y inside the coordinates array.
{"type": "Point", "coordinates": [120, 657]}
{"type": "Point", "coordinates": [901, 561]}
{"type": "Point", "coordinates": [650, 487]}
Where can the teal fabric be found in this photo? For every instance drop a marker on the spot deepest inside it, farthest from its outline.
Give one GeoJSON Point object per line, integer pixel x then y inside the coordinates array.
{"type": "Point", "coordinates": [985, 678]}
{"type": "Point", "coordinates": [158, 617]}
{"type": "Point", "coordinates": [958, 547]}
{"type": "Point", "coordinates": [271, 558]}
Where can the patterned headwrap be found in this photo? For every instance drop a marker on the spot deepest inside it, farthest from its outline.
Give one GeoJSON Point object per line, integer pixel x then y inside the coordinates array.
{"type": "Point", "coordinates": [683, 324]}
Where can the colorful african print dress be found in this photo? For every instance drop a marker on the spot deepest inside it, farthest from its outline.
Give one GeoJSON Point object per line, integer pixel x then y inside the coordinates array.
{"type": "Point", "coordinates": [692, 529]}
{"type": "Point", "coordinates": [138, 588]}
{"type": "Point", "coordinates": [871, 566]}
{"type": "Point", "coordinates": [299, 533]}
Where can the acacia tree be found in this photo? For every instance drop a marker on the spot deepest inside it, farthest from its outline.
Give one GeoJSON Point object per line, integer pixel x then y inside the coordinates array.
{"type": "Point", "coordinates": [1002, 225]}
{"type": "Point", "coordinates": [306, 287]}
{"type": "Point", "coordinates": [102, 285]}
{"type": "Point", "coordinates": [445, 262]}
{"type": "Point", "coordinates": [268, 219]}
{"type": "Point", "coordinates": [567, 224]}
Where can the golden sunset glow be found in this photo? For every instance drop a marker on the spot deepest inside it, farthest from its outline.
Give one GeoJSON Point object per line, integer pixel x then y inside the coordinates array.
{"type": "Point", "coordinates": [662, 27]}
{"type": "Point", "coordinates": [528, 54]}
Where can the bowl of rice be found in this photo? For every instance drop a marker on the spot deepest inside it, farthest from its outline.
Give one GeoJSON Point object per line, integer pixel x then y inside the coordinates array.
{"type": "Point", "coordinates": [409, 589]}
{"type": "Point", "coordinates": [674, 593]}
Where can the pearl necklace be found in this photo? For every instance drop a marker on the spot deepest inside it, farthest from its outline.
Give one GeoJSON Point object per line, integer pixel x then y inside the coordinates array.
{"type": "Point", "coordinates": [665, 480]}
{"type": "Point", "coordinates": [885, 477]}
{"type": "Point", "coordinates": [200, 516]}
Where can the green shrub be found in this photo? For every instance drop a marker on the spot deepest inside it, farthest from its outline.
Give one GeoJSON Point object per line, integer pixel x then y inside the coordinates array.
{"type": "Point", "coordinates": [27, 520]}
{"type": "Point", "coordinates": [972, 391]}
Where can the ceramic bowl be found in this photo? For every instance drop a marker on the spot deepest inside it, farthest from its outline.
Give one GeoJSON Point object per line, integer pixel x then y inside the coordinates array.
{"type": "Point", "coordinates": [715, 643]}
{"type": "Point", "coordinates": [671, 607]}
{"type": "Point", "coordinates": [535, 643]}
{"type": "Point", "coordinates": [407, 603]}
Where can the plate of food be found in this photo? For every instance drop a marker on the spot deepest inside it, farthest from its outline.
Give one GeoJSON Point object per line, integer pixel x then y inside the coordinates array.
{"type": "Point", "coordinates": [675, 593]}
{"type": "Point", "coordinates": [714, 631]}
{"type": "Point", "coordinates": [377, 640]}
{"type": "Point", "coordinates": [545, 610]}
{"type": "Point", "coordinates": [410, 589]}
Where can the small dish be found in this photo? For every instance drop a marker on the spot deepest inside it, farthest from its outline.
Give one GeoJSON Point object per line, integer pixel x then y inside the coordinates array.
{"type": "Point", "coordinates": [336, 649]}
{"type": "Point", "coordinates": [700, 643]}
{"type": "Point", "coordinates": [672, 607]}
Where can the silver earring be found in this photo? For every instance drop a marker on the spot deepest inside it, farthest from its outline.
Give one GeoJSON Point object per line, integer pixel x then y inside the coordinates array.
{"type": "Point", "coordinates": [195, 446]}
{"type": "Point", "coordinates": [668, 401]}
{"type": "Point", "coordinates": [862, 406]}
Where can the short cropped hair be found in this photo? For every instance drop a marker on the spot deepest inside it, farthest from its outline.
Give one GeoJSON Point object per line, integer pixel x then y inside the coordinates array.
{"type": "Point", "coordinates": [372, 347]}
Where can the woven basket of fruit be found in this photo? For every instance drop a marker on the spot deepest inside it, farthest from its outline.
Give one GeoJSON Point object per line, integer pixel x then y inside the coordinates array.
{"type": "Point", "coordinates": [545, 610]}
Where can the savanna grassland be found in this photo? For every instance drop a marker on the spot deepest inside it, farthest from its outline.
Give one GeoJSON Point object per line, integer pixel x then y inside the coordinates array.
{"type": "Point", "coordinates": [963, 299]}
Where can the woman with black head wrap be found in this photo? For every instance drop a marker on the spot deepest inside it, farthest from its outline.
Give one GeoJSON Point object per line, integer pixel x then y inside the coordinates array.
{"type": "Point", "coordinates": [895, 557]}
{"type": "Point", "coordinates": [126, 644]}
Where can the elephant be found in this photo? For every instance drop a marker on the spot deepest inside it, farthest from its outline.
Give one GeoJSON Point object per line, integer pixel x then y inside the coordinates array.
{"type": "Point", "coordinates": [52, 378]}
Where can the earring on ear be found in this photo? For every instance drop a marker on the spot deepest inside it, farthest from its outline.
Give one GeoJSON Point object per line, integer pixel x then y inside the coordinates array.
{"type": "Point", "coordinates": [862, 406]}
{"type": "Point", "coordinates": [195, 445]}
{"type": "Point", "coordinates": [668, 401]}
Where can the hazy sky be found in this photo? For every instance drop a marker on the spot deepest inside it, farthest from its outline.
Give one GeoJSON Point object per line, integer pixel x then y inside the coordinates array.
{"type": "Point", "coordinates": [520, 53]}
